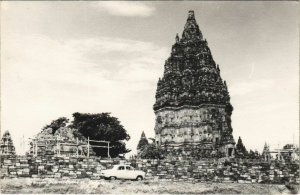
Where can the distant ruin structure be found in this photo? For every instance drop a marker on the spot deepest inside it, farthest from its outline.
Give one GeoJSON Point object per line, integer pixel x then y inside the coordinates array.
{"type": "Point", "coordinates": [288, 153]}
{"type": "Point", "coordinates": [6, 145]}
{"type": "Point", "coordinates": [192, 107]}
{"type": "Point", "coordinates": [142, 143]}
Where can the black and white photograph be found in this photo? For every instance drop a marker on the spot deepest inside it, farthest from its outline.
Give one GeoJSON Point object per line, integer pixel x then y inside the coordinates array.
{"type": "Point", "coordinates": [149, 97]}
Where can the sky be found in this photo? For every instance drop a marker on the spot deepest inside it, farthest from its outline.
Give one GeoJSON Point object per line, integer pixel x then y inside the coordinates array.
{"type": "Point", "coordinates": [62, 57]}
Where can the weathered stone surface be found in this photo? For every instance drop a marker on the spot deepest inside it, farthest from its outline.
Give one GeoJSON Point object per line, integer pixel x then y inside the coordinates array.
{"type": "Point", "coordinates": [192, 102]}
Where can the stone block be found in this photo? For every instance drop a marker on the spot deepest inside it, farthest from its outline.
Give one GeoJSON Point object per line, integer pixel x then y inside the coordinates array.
{"type": "Point", "coordinates": [73, 176]}
{"type": "Point", "coordinates": [23, 161]}
{"type": "Point", "coordinates": [24, 165]}
{"type": "Point", "coordinates": [41, 167]}
{"type": "Point", "coordinates": [11, 167]}
{"type": "Point", "coordinates": [66, 171]}
{"type": "Point", "coordinates": [7, 162]}
{"type": "Point", "coordinates": [98, 168]}
{"type": "Point", "coordinates": [90, 160]}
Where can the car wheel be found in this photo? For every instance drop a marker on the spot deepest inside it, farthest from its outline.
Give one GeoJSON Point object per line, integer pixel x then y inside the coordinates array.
{"type": "Point", "coordinates": [139, 178]}
{"type": "Point", "coordinates": [112, 178]}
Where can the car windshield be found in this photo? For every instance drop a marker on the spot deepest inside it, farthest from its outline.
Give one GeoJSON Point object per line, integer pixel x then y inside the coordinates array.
{"type": "Point", "coordinates": [113, 167]}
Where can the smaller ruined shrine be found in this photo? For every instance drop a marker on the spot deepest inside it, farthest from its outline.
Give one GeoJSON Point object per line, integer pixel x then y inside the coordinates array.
{"type": "Point", "coordinates": [192, 107]}
{"type": "Point", "coordinates": [142, 143]}
{"type": "Point", "coordinates": [266, 152]}
{"type": "Point", "coordinates": [6, 145]}
{"type": "Point", "coordinates": [64, 142]}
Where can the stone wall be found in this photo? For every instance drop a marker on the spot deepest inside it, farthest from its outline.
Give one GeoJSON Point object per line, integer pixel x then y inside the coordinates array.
{"type": "Point", "coordinates": [54, 167]}
{"type": "Point", "coordinates": [242, 171]}
{"type": "Point", "coordinates": [206, 170]}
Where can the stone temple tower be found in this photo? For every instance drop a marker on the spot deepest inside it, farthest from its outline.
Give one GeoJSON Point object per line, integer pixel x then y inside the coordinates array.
{"type": "Point", "coordinates": [6, 145]}
{"type": "Point", "coordinates": [192, 107]}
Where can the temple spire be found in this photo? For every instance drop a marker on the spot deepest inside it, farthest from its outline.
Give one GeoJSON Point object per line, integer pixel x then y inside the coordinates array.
{"type": "Point", "coordinates": [190, 66]}
{"type": "Point", "coordinates": [191, 29]}
{"type": "Point", "coordinates": [143, 135]}
{"type": "Point", "coordinates": [142, 143]}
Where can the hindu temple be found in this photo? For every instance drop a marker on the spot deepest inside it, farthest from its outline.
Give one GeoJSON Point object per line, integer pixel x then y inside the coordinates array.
{"type": "Point", "coordinates": [192, 107]}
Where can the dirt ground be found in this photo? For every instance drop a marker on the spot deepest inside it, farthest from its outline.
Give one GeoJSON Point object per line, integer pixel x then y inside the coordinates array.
{"type": "Point", "coordinates": [86, 186]}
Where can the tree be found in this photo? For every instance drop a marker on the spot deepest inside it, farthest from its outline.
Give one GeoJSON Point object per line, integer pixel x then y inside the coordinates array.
{"type": "Point", "coordinates": [240, 148]}
{"type": "Point", "coordinates": [56, 124]}
{"type": "Point", "coordinates": [151, 151]}
{"type": "Point", "coordinates": [102, 127]}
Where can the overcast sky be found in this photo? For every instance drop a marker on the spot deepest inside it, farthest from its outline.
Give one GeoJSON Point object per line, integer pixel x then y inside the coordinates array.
{"type": "Point", "coordinates": [58, 58]}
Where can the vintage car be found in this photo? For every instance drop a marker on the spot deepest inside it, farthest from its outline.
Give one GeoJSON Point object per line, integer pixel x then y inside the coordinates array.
{"type": "Point", "coordinates": [123, 172]}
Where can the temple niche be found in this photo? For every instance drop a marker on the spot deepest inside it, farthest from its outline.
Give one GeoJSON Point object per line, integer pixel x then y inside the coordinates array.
{"type": "Point", "coordinates": [192, 104]}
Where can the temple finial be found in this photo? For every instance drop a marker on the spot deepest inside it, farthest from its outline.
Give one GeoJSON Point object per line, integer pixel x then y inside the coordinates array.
{"type": "Point", "coordinates": [218, 69]}
{"type": "Point", "coordinates": [191, 15]}
{"type": "Point", "coordinates": [177, 38]}
{"type": "Point", "coordinates": [143, 135]}
{"type": "Point", "coordinates": [191, 29]}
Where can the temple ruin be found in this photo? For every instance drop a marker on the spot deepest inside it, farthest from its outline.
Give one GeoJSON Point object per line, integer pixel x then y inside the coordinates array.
{"type": "Point", "coordinates": [6, 145]}
{"type": "Point", "coordinates": [192, 108]}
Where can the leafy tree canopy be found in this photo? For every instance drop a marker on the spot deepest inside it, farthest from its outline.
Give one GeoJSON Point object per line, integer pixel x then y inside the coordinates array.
{"type": "Point", "coordinates": [102, 127]}
{"type": "Point", "coordinates": [151, 151]}
{"type": "Point", "coordinates": [56, 124]}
